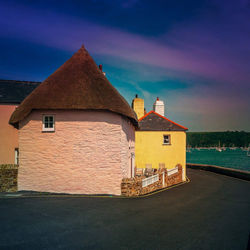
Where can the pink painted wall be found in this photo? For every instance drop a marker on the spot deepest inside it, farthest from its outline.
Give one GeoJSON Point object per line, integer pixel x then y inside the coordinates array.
{"type": "Point", "coordinates": [87, 154]}
{"type": "Point", "coordinates": [128, 146]}
{"type": "Point", "coordinates": [8, 135]}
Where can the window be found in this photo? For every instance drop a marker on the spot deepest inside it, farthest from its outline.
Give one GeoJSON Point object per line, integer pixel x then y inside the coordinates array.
{"type": "Point", "coordinates": [166, 139]}
{"type": "Point", "coordinates": [16, 156]}
{"type": "Point", "coordinates": [48, 123]}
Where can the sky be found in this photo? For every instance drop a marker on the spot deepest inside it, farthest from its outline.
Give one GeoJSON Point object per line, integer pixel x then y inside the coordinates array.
{"type": "Point", "coordinates": [193, 55]}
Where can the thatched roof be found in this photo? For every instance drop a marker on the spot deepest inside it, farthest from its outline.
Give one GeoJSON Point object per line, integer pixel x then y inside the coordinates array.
{"type": "Point", "coordinates": [153, 121]}
{"type": "Point", "coordinates": [77, 85]}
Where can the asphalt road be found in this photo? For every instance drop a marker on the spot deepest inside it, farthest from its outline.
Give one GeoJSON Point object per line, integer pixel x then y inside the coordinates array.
{"type": "Point", "coordinates": [211, 212]}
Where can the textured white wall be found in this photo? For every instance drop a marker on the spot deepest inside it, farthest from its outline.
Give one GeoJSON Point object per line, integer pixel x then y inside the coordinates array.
{"type": "Point", "coordinates": [86, 153]}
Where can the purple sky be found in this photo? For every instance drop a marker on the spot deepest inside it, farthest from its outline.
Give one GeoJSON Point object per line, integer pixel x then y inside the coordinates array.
{"type": "Point", "coordinates": [194, 55]}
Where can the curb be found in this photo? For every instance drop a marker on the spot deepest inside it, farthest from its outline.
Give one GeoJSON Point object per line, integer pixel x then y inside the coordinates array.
{"type": "Point", "coordinates": [240, 174]}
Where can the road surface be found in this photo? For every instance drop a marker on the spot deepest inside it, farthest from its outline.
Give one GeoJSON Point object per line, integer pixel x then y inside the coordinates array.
{"type": "Point", "coordinates": [210, 212]}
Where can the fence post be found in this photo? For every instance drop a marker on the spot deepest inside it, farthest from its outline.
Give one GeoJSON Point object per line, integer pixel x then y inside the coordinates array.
{"type": "Point", "coordinates": [163, 179]}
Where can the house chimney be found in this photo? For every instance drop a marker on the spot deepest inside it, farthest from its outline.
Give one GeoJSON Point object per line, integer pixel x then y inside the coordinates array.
{"type": "Point", "coordinates": [158, 106]}
{"type": "Point", "coordinates": [138, 106]}
{"type": "Point", "coordinates": [100, 68]}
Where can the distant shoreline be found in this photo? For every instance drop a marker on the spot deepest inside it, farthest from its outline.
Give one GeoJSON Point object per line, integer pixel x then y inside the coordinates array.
{"type": "Point", "coordinates": [215, 147]}
{"type": "Point", "coordinates": [215, 139]}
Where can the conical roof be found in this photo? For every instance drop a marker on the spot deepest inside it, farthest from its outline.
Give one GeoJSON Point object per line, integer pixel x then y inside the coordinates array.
{"type": "Point", "coordinates": [77, 85]}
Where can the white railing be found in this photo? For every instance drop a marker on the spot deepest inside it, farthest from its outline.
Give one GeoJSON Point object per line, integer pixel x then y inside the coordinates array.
{"type": "Point", "coordinates": [172, 171]}
{"type": "Point", "coordinates": [150, 180]}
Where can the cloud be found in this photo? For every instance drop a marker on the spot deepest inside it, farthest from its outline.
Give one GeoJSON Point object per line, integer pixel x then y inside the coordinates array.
{"type": "Point", "coordinates": [196, 52]}
{"type": "Point", "coordinates": [206, 59]}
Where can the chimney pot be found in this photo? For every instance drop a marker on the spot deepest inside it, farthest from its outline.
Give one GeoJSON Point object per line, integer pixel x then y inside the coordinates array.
{"type": "Point", "coordinates": [100, 67]}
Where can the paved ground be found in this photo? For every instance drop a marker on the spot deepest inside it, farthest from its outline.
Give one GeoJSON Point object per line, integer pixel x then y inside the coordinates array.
{"type": "Point", "coordinates": [211, 212]}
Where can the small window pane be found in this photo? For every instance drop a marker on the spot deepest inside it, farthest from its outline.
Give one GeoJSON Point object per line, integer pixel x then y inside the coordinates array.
{"type": "Point", "coordinates": [48, 123]}
{"type": "Point", "coordinates": [166, 139]}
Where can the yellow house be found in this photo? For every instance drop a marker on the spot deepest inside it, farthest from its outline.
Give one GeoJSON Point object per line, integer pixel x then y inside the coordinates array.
{"type": "Point", "coordinates": [159, 142]}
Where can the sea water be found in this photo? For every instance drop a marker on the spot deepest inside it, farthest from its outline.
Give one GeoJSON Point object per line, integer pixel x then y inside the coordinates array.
{"type": "Point", "coordinates": [229, 158]}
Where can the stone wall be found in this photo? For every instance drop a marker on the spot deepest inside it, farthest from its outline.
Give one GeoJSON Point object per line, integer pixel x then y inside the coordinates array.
{"type": "Point", "coordinates": [175, 178]}
{"type": "Point", "coordinates": [133, 186]}
{"type": "Point", "coordinates": [8, 177]}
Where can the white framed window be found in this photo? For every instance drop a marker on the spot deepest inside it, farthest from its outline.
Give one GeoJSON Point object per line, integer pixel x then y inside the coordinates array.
{"type": "Point", "coordinates": [166, 139]}
{"type": "Point", "coordinates": [48, 123]}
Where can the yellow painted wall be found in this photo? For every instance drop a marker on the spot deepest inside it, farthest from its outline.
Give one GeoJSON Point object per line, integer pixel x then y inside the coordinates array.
{"type": "Point", "coordinates": [138, 107]}
{"type": "Point", "coordinates": [149, 149]}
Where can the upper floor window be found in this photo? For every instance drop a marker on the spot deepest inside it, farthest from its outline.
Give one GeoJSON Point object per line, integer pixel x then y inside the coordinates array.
{"type": "Point", "coordinates": [48, 123]}
{"type": "Point", "coordinates": [166, 139]}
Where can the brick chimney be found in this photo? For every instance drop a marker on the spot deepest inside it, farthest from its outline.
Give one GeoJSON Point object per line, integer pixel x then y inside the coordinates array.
{"type": "Point", "coordinates": [138, 106]}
